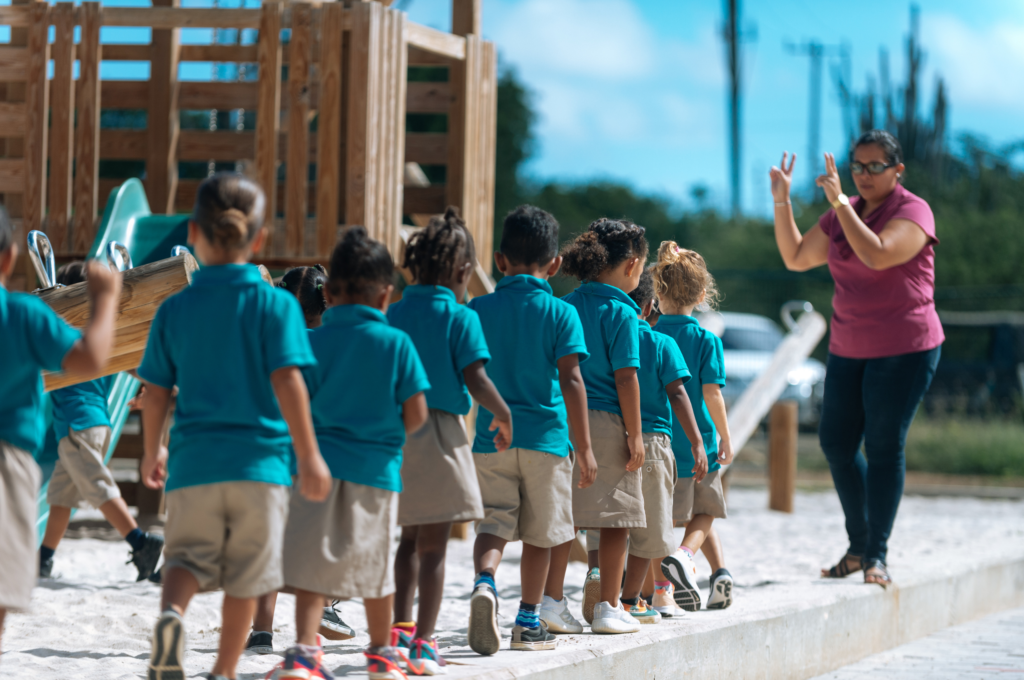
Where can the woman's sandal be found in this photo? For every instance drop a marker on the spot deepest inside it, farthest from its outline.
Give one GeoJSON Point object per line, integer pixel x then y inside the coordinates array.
{"type": "Point", "coordinates": [875, 572]}
{"type": "Point", "coordinates": [843, 568]}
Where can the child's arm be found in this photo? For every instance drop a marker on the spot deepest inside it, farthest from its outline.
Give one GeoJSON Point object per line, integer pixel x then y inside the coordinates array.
{"type": "Point", "coordinates": [628, 388]}
{"type": "Point", "coordinates": [575, 394]}
{"type": "Point", "coordinates": [154, 418]}
{"type": "Point", "coordinates": [414, 412]}
{"type": "Point", "coordinates": [486, 394]}
{"type": "Point", "coordinates": [91, 352]}
{"type": "Point", "coordinates": [681, 406]}
{"type": "Point", "coordinates": [293, 400]}
{"type": "Point", "coordinates": [716, 408]}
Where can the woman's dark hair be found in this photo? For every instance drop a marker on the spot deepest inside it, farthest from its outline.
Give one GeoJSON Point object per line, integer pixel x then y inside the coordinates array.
{"type": "Point", "coordinates": [71, 273]}
{"type": "Point", "coordinates": [644, 291]}
{"type": "Point", "coordinates": [605, 244]}
{"type": "Point", "coordinates": [889, 145]}
{"type": "Point", "coordinates": [307, 285]}
{"type": "Point", "coordinates": [229, 210]}
{"type": "Point", "coordinates": [529, 236]}
{"type": "Point", "coordinates": [434, 252]}
{"type": "Point", "coordinates": [6, 231]}
{"type": "Point", "coordinates": [359, 264]}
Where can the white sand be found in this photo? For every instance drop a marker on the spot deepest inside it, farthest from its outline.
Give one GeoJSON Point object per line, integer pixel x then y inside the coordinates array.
{"type": "Point", "coordinates": [93, 621]}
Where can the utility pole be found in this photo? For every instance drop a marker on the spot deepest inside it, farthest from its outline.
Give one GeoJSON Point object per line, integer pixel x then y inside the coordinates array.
{"type": "Point", "coordinates": [734, 37]}
{"type": "Point", "coordinates": [816, 51]}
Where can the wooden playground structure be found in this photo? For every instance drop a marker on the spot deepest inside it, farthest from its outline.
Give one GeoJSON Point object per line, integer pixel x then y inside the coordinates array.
{"type": "Point", "coordinates": [330, 102]}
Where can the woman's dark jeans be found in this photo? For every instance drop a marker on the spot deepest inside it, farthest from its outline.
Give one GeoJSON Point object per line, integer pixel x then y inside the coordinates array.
{"type": "Point", "coordinates": [874, 401]}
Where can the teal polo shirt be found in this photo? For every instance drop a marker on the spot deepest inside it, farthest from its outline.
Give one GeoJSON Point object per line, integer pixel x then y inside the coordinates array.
{"type": "Point", "coordinates": [529, 330]}
{"type": "Point", "coordinates": [661, 364]}
{"type": "Point", "coordinates": [609, 319]}
{"type": "Point", "coordinates": [81, 406]}
{"type": "Point", "coordinates": [32, 339]}
{"type": "Point", "coordinates": [219, 341]}
{"type": "Point", "coordinates": [366, 370]}
{"type": "Point", "coordinates": [702, 351]}
{"type": "Point", "coordinates": [448, 338]}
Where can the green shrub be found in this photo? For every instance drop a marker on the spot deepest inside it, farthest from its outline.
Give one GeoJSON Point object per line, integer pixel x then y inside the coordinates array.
{"type": "Point", "coordinates": [966, 447]}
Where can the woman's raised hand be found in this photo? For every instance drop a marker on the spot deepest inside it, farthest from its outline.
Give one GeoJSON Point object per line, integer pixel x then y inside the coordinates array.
{"type": "Point", "coordinates": [782, 178]}
{"type": "Point", "coordinates": [829, 182]}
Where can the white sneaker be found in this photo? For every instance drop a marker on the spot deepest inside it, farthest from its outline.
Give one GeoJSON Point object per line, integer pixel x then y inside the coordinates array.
{"type": "Point", "coordinates": [665, 604]}
{"type": "Point", "coordinates": [556, 616]}
{"type": "Point", "coordinates": [721, 590]}
{"type": "Point", "coordinates": [483, 633]}
{"type": "Point", "coordinates": [682, 572]}
{"type": "Point", "coordinates": [613, 620]}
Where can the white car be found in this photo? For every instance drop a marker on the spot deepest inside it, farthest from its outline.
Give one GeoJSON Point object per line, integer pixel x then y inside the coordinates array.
{"type": "Point", "coordinates": [749, 341]}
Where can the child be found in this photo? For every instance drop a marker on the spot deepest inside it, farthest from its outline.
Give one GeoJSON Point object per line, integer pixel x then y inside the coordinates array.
{"type": "Point", "coordinates": [35, 339]}
{"type": "Point", "coordinates": [682, 281]}
{"type": "Point", "coordinates": [439, 477]}
{"type": "Point", "coordinates": [367, 394]}
{"type": "Point", "coordinates": [538, 345]}
{"type": "Point", "coordinates": [307, 285]}
{"type": "Point", "coordinates": [81, 478]}
{"type": "Point", "coordinates": [608, 259]}
{"type": "Point", "coordinates": [234, 347]}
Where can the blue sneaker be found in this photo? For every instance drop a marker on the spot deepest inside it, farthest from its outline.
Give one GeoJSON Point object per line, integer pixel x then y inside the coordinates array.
{"type": "Point", "coordinates": [382, 663]}
{"type": "Point", "coordinates": [424, 659]}
{"type": "Point", "coordinates": [300, 664]}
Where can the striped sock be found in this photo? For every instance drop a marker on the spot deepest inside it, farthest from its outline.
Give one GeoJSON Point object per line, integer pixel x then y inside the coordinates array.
{"type": "Point", "coordinates": [528, 616]}
{"type": "Point", "coordinates": [485, 577]}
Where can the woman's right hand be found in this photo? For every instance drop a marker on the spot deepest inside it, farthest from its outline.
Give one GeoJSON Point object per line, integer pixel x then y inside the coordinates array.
{"type": "Point", "coordinates": [782, 178]}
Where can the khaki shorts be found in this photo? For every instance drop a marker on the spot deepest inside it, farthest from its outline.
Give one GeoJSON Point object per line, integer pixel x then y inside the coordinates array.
{"type": "Point", "coordinates": [80, 477]}
{"type": "Point", "coordinates": [706, 498]}
{"type": "Point", "coordinates": [19, 490]}
{"type": "Point", "coordinates": [527, 496]}
{"type": "Point", "coordinates": [438, 474]}
{"type": "Point", "coordinates": [341, 547]}
{"type": "Point", "coordinates": [228, 535]}
{"type": "Point", "coordinates": [615, 499]}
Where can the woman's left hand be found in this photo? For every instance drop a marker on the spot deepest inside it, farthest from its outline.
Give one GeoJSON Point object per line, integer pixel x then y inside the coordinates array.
{"type": "Point", "coordinates": [829, 182]}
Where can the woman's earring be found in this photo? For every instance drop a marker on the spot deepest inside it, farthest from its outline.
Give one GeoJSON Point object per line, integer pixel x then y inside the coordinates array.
{"type": "Point", "coordinates": [898, 175]}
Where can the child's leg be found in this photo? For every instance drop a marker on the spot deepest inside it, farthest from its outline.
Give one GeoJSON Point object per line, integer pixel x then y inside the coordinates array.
{"type": "Point", "coordinates": [712, 549]}
{"type": "Point", "coordinates": [116, 512]}
{"type": "Point", "coordinates": [179, 587]}
{"type": "Point", "coordinates": [431, 547]}
{"type": "Point", "coordinates": [3, 615]}
{"type": "Point", "coordinates": [308, 609]}
{"type": "Point", "coordinates": [637, 569]}
{"type": "Point", "coordinates": [533, 572]}
{"type": "Point", "coordinates": [56, 526]}
{"type": "Point", "coordinates": [611, 560]}
{"type": "Point", "coordinates": [556, 570]}
{"type": "Point", "coordinates": [487, 551]}
{"type": "Point", "coordinates": [647, 590]}
{"type": "Point", "coordinates": [696, 531]}
{"type": "Point", "coordinates": [378, 619]}
{"type": "Point", "coordinates": [592, 559]}
{"type": "Point", "coordinates": [263, 620]}
{"type": "Point", "coordinates": [407, 567]}
{"type": "Point", "coordinates": [236, 613]}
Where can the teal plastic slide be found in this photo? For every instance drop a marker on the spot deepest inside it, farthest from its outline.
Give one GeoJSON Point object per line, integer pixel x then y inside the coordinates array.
{"type": "Point", "coordinates": [148, 237]}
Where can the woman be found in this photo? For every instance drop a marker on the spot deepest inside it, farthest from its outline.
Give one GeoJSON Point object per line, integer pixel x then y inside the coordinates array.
{"type": "Point", "coordinates": [886, 335]}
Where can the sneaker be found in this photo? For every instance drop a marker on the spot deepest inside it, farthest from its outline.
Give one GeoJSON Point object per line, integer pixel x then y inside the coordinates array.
{"type": "Point", "coordinates": [642, 614]}
{"type": "Point", "coordinates": [156, 577]}
{"type": "Point", "coordinates": [382, 663]}
{"type": "Point", "coordinates": [484, 636]}
{"type": "Point", "coordinates": [424, 659]}
{"type": "Point", "coordinates": [260, 642]}
{"type": "Point", "coordinates": [664, 604]}
{"type": "Point", "coordinates": [45, 567]}
{"type": "Point", "coordinates": [682, 572]}
{"type": "Point", "coordinates": [146, 557]}
{"type": "Point", "coordinates": [165, 661]}
{"type": "Point", "coordinates": [301, 665]}
{"type": "Point", "coordinates": [332, 627]}
{"type": "Point", "coordinates": [591, 593]}
{"type": "Point", "coordinates": [721, 590]}
{"type": "Point", "coordinates": [556, 616]}
{"type": "Point", "coordinates": [532, 639]}
{"type": "Point", "coordinates": [613, 620]}
{"type": "Point", "coordinates": [402, 638]}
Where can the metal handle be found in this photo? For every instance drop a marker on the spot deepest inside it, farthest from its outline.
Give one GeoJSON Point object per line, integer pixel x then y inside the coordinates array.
{"type": "Point", "coordinates": [118, 255]}
{"type": "Point", "coordinates": [793, 306]}
{"type": "Point", "coordinates": [41, 253]}
{"type": "Point", "coordinates": [179, 250]}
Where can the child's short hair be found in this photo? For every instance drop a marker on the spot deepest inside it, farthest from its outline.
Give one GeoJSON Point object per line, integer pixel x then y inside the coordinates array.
{"type": "Point", "coordinates": [681, 276]}
{"type": "Point", "coordinates": [71, 273]}
{"type": "Point", "coordinates": [229, 209]}
{"type": "Point", "coordinates": [434, 252]}
{"type": "Point", "coordinates": [307, 285]}
{"type": "Point", "coordinates": [644, 291]}
{"type": "Point", "coordinates": [605, 244]}
{"type": "Point", "coordinates": [529, 236]}
{"type": "Point", "coordinates": [359, 264]}
{"type": "Point", "coordinates": [6, 231]}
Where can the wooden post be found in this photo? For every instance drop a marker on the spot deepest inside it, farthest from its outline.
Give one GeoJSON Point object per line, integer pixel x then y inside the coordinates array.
{"type": "Point", "coordinates": [782, 440]}
{"type": "Point", "coordinates": [87, 134]}
{"type": "Point", "coordinates": [363, 115]}
{"type": "Point", "coordinates": [396, 188]}
{"type": "Point", "coordinates": [162, 120]}
{"type": "Point", "coordinates": [328, 159]}
{"type": "Point", "coordinates": [62, 123]}
{"type": "Point", "coordinates": [296, 206]}
{"type": "Point", "coordinates": [488, 155]}
{"type": "Point", "coordinates": [268, 111]}
{"type": "Point", "coordinates": [382, 131]}
{"type": "Point", "coordinates": [37, 101]}
{"type": "Point", "coordinates": [467, 17]}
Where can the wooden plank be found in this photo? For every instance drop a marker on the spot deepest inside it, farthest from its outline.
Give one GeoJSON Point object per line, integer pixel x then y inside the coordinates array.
{"type": "Point", "coordinates": [123, 145]}
{"type": "Point", "coordinates": [12, 116]}
{"type": "Point", "coordinates": [162, 122]}
{"type": "Point", "coordinates": [328, 159]}
{"type": "Point", "coordinates": [296, 206]}
{"type": "Point", "coordinates": [428, 148]}
{"type": "Point", "coordinates": [782, 439]}
{"type": "Point", "coordinates": [199, 96]}
{"type": "Point", "coordinates": [467, 17]}
{"type": "Point", "coordinates": [87, 133]}
{"type": "Point", "coordinates": [489, 143]}
{"type": "Point", "coordinates": [222, 53]}
{"type": "Point", "coordinates": [381, 229]}
{"type": "Point", "coordinates": [125, 94]}
{"type": "Point", "coordinates": [428, 97]}
{"type": "Point", "coordinates": [13, 63]}
{"type": "Point", "coordinates": [424, 200]}
{"type": "Point", "coordinates": [362, 115]}
{"type": "Point", "coordinates": [37, 99]}
{"type": "Point", "coordinates": [220, 145]}
{"type": "Point", "coordinates": [393, 219]}
{"type": "Point", "coordinates": [434, 41]}
{"type": "Point", "coordinates": [420, 57]}
{"type": "Point", "coordinates": [12, 175]}
{"type": "Point", "coordinates": [268, 110]}
{"type": "Point", "coordinates": [114, 52]}
{"type": "Point", "coordinates": [164, 16]}
{"type": "Point", "coordinates": [62, 123]}
{"type": "Point", "coordinates": [16, 16]}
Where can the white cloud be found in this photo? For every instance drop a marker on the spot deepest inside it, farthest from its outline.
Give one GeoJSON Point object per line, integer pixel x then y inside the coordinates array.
{"type": "Point", "coordinates": [981, 66]}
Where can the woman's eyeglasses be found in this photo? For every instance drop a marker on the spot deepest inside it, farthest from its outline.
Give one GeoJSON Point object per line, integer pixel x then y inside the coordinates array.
{"type": "Point", "coordinates": [874, 168]}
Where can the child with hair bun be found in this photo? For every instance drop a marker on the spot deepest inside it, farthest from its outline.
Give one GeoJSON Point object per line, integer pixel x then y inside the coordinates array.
{"type": "Point", "coordinates": [682, 283]}
{"type": "Point", "coordinates": [234, 347]}
{"type": "Point", "coordinates": [307, 285]}
{"type": "Point", "coordinates": [608, 259]}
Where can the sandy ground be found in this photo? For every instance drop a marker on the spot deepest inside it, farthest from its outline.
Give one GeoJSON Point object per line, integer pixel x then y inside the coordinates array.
{"type": "Point", "coordinates": [92, 620]}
